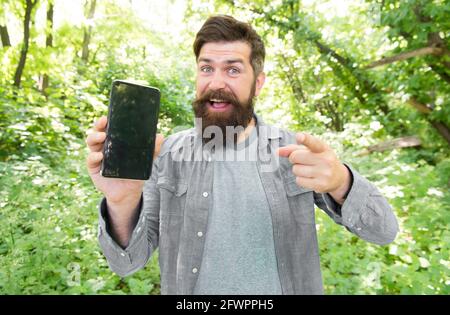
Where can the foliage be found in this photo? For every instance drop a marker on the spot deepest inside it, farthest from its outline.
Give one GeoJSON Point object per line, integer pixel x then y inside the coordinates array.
{"type": "Point", "coordinates": [317, 80]}
{"type": "Point", "coordinates": [48, 238]}
{"type": "Point", "coordinates": [418, 261]}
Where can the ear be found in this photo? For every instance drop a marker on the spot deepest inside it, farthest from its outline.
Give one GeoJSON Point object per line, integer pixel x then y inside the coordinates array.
{"type": "Point", "coordinates": [260, 79]}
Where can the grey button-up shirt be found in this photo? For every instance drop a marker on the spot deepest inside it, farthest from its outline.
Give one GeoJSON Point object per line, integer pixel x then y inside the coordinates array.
{"type": "Point", "coordinates": [177, 197]}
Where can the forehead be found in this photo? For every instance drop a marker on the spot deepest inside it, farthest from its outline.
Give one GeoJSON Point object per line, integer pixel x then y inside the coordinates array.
{"type": "Point", "coordinates": [223, 51]}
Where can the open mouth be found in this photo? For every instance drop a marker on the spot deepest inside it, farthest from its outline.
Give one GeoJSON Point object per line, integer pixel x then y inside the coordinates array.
{"type": "Point", "coordinates": [218, 105]}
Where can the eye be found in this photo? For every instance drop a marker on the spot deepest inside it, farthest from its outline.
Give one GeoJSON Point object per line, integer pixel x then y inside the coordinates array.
{"type": "Point", "coordinates": [233, 71]}
{"type": "Point", "coordinates": [206, 69]}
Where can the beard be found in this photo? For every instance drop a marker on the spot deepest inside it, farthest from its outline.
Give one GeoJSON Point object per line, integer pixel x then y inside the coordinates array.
{"type": "Point", "coordinates": [237, 117]}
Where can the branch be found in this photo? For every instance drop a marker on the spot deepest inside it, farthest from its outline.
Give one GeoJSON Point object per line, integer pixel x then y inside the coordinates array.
{"type": "Point", "coordinates": [406, 55]}
{"type": "Point", "coordinates": [432, 41]}
{"type": "Point", "coordinates": [419, 106]}
{"type": "Point", "coordinates": [398, 143]}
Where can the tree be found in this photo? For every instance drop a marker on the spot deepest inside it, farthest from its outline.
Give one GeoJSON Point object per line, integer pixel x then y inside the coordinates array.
{"type": "Point", "coordinates": [422, 26]}
{"type": "Point", "coordinates": [89, 13]}
{"type": "Point", "coordinates": [44, 78]}
{"type": "Point", "coordinates": [5, 36]}
{"type": "Point", "coordinates": [29, 5]}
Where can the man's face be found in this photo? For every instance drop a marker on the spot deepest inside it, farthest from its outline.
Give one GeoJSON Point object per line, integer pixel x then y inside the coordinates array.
{"type": "Point", "coordinates": [226, 84]}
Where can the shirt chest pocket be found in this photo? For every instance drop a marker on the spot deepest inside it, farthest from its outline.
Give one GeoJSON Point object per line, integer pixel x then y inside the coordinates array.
{"type": "Point", "coordinates": [301, 201]}
{"type": "Point", "coordinates": [173, 193]}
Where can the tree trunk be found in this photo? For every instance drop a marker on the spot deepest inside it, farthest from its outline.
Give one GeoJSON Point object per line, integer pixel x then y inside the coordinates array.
{"type": "Point", "coordinates": [44, 78]}
{"type": "Point", "coordinates": [5, 36]}
{"type": "Point", "coordinates": [26, 38]}
{"type": "Point", "coordinates": [88, 31]}
{"type": "Point", "coordinates": [49, 38]}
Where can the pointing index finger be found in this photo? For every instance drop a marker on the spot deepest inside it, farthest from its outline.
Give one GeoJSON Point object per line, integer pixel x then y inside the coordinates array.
{"type": "Point", "coordinates": [314, 144]}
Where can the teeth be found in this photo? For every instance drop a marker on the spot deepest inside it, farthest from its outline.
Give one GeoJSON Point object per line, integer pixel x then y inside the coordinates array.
{"type": "Point", "coordinates": [217, 100]}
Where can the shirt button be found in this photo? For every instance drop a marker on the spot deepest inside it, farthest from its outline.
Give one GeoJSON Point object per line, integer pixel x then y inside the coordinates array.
{"type": "Point", "coordinates": [358, 229]}
{"type": "Point", "coordinates": [205, 194]}
{"type": "Point", "coordinates": [194, 270]}
{"type": "Point", "coordinates": [122, 254]}
{"type": "Point", "coordinates": [199, 234]}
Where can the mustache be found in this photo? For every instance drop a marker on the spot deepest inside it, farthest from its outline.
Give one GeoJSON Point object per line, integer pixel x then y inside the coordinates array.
{"type": "Point", "coordinates": [228, 97]}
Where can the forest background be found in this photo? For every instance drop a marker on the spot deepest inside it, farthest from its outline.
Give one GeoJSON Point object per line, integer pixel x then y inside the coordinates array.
{"type": "Point", "coordinates": [372, 78]}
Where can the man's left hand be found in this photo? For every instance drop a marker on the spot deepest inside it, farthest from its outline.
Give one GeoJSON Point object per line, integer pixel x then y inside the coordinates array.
{"type": "Point", "coordinates": [316, 166]}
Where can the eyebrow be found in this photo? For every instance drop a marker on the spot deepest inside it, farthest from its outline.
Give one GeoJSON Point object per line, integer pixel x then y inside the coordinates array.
{"type": "Point", "coordinates": [229, 61]}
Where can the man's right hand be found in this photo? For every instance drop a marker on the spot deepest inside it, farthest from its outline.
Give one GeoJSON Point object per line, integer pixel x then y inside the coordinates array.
{"type": "Point", "coordinates": [118, 192]}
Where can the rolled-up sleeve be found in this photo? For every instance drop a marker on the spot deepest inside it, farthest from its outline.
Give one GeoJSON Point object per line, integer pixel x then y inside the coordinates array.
{"type": "Point", "coordinates": [144, 238]}
{"type": "Point", "coordinates": [365, 212]}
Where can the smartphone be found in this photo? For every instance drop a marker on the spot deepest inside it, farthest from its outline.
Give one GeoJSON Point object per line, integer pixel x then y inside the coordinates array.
{"type": "Point", "coordinates": [131, 130]}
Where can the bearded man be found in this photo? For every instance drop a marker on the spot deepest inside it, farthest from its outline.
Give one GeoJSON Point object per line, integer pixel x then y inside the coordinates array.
{"type": "Point", "coordinates": [233, 226]}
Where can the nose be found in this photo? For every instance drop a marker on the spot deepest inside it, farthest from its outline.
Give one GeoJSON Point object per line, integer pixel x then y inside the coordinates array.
{"type": "Point", "coordinates": [217, 82]}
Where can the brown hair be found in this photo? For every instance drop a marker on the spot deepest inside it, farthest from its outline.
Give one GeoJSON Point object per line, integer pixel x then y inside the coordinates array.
{"type": "Point", "coordinates": [226, 28]}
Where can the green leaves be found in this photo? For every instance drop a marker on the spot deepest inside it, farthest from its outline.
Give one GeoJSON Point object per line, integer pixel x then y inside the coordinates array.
{"type": "Point", "coordinates": [140, 287]}
{"type": "Point", "coordinates": [48, 239]}
{"type": "Point", "coordinates": [417, 262]}
{"type": "Point", "coordinates": [317, 82]}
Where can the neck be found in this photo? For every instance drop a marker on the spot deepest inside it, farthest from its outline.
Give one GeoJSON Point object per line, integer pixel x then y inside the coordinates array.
{"type": "Point", "coordinates": [244, 135]}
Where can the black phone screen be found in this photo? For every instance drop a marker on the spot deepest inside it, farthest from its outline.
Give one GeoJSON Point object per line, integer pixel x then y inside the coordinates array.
{"type": "Point", "coordinates": [131, 131]}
